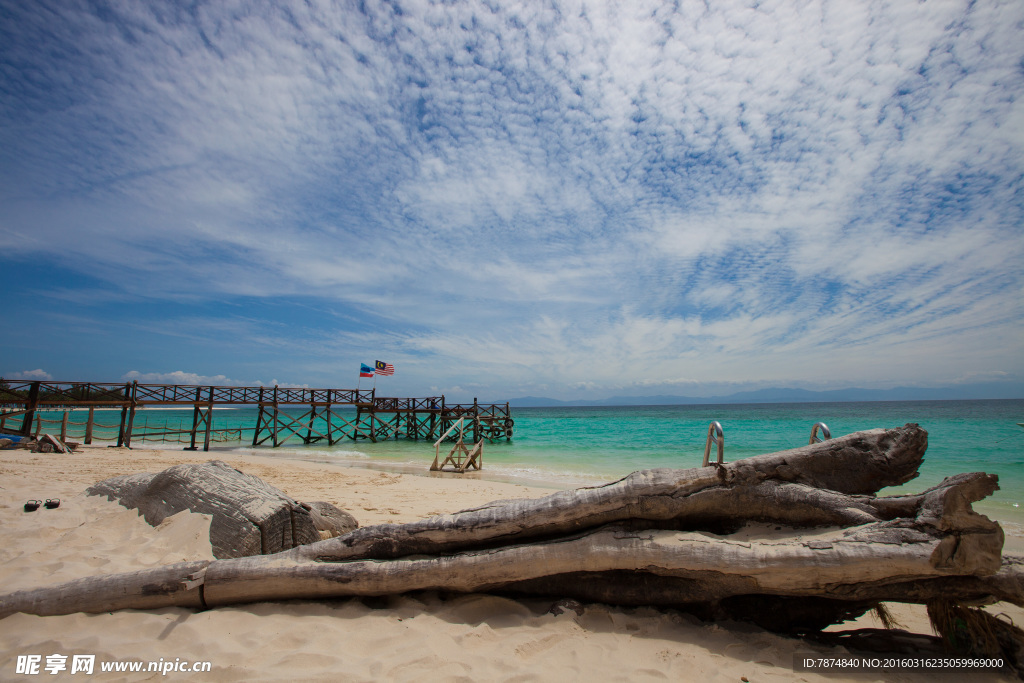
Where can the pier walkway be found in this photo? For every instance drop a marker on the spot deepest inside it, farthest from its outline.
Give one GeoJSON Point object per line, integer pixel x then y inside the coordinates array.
{"type": "Point", "coordinates": [311, 415]}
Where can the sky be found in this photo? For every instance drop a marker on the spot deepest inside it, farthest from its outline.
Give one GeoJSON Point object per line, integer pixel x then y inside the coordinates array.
{"type": "Point", "coordinates": [501, 199]}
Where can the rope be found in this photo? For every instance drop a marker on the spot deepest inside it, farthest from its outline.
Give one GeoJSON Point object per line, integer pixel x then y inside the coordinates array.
{"type": "Point", "coordinates": [1007, 438]}
{"type": "Point", "coordinates": [78, 424]}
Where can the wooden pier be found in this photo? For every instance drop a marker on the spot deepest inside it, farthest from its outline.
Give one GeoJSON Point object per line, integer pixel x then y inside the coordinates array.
{"type": "Point", "coordinates": [311, 415]}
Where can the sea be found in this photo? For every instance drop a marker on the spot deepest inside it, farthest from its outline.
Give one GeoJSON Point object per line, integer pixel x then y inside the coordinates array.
{"type": "Point", "coordinates": [566, 447]}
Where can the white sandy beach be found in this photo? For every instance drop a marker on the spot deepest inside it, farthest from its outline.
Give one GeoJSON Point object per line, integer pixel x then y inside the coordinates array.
{"type": "Point", "coordinates": [408, 638]}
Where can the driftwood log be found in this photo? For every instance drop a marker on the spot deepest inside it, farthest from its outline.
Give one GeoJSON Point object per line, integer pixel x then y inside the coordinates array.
{"type": "Point", "coordinates": [794, 540]}
{"type": "Point", "coordinates": [248, 516]}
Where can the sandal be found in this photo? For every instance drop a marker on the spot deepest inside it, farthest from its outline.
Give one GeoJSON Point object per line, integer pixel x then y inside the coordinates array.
{"type": "Point", "coordinates": [32, 505]}
{"type": "Point", "coordinates": [52, 503]}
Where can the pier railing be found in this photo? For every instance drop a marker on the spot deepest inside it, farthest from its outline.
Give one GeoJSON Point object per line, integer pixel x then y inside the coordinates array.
{"type": "Point", "coordinates": [72, 394]}
{"type": "Point", "coordinates": [328, 417]}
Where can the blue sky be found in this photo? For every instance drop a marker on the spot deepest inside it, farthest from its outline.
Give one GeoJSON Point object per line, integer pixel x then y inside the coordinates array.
{"type": "Point", "coordinates": [568, 199]}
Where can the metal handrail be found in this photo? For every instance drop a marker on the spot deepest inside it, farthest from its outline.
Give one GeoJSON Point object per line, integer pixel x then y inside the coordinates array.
{"type": "Point", "coordinates": [715, 435]}
{"type": "Point", "coordinates": [814, 433]}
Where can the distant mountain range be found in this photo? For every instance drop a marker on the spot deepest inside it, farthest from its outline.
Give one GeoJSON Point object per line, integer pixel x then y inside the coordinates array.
{"type": "Point", "coordinates": [782, 395]}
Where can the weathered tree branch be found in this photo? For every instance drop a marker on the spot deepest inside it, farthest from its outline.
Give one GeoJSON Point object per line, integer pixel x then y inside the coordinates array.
{"type": "Point", "coordinates": [863, 462]}
{"type": "Point", "coordinates": [703, 537]}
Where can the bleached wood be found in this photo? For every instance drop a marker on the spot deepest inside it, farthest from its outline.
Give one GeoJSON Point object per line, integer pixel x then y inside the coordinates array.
{"type": "Point", "coordinates": [148, 589]}
{"type": "Point", "coordinates": [645, 537]}
{"type": "Point", "coordinates": [249, 517]}
{"type": "Point", "coordinates": [863, 462]}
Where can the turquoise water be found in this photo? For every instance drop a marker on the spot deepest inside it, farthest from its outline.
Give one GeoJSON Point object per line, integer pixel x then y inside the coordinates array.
{"type": "Point", "coordinates": [565, 447]}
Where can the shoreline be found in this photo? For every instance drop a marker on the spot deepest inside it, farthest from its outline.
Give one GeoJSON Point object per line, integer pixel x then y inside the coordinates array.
{"type": "Point", "coordinates": [466, 636]}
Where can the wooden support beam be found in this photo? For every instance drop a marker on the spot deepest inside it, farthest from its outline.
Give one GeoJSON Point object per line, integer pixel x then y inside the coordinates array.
{"type": "Point", "coordinates": [309, 430]}
{"type": "Point", "coordinates": [357, 429]}
{"type": "Point", "coordinates": [275, 417]}
{"type": "Point", "coordinates": [259, 421]}
{"type": "Point", "coordinates": [30, 412]}
{"type": "Point", "coordinates": [89, 423]}
{"type": "Point", "coordinates": [476, 421]}
{"type": "Point", "coordinates": [328, 413]}
{"type": "Point", "coordinates": [209, 421]}
{"type": "Point", "coordinates": [293, 425]}
{"type": "Point", "coordinates": [131, 416]}
{"type": "Point", "coordinates": [195, 420]}
{"type": "Point", "coordinates": [124, 413]}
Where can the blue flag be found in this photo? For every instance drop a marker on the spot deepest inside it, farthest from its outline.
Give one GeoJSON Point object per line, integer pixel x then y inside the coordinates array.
{"type": "Point", "coordinates": [365, 370]}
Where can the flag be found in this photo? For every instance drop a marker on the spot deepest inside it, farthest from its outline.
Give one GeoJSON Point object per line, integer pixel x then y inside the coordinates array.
{"type": "Point", "coordinates": [365, 370]}
{"type": "Point", "coordinates": [385, 368]}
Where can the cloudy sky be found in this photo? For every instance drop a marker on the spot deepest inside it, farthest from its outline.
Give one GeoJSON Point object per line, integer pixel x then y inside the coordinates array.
{"type": "Point", "coordinates": [569, 199]}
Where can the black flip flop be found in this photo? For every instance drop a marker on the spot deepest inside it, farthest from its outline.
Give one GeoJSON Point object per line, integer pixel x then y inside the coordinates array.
{"type": "Point", "coordinates": [32, 505]}
{"type": "Point", "coordinates": [52, 503]}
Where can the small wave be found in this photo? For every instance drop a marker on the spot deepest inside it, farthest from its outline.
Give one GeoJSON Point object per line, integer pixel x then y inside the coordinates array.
{"type": "Point", "coordinates": [339, 454]}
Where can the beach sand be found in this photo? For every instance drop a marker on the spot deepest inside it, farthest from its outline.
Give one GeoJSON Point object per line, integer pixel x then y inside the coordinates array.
{"type": "Point", "coordinates": [422, 637]}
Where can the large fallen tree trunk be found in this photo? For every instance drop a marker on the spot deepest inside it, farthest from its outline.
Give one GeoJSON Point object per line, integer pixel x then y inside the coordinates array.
{"type": "Point", "coordinates": [711, 498]}
{"type": "Point", "coordinates": [667, 537]}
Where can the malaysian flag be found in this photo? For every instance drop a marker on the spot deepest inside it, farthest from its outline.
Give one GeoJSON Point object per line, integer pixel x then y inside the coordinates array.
{"type": "Point", "coordinates": [385, 368]}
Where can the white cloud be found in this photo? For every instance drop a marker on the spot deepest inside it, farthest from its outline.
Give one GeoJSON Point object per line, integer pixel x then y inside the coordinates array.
{"type": "Point", "coordinates": [180, 377]}
{"type": "Point", "coordinates": [718, 192]}
{"type": "Point", "coordinates": [37, 374]}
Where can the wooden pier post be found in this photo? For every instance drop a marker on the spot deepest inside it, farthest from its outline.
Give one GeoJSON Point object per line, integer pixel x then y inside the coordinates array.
{"type": "Point", "coordinates": [275, 416]}
{"type": "Point", "coordinates": [309, 426]}
{"type": "Point", "coordinates": [443, 427]}
{"type": "Point", "coordinates": [131, 415]}
{"type": "Point", "coordinates": [195, 420]}
{"type": "Point", "coordinates": [372, 432]}
{"type": "Point", "coordinates": [373, 415]}
{"type": "Point", "coordinates": [88, 425]}
{"type": "Point", "coordinates": [259, 421]}
{"type": "Point", "coordinates": [209, 421]}
{"type": "Point", "coordinates": [476, 421]}
{"type": "Point", "coordinates": [30, 410]}
{"type": "Point", "coordinates": [124, 413]}
{"type": "Point", "coordinates": [64, 427]}
{"type": "Point", "coordinates": [330, 434]}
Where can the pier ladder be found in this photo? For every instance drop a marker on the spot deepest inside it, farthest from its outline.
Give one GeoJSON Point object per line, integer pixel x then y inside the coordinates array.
{"type": "Point", "coordinates": [461, 457]}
